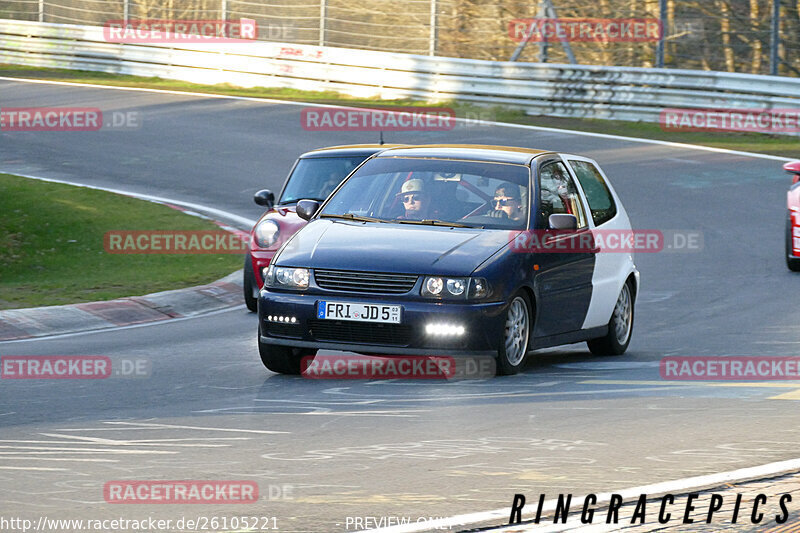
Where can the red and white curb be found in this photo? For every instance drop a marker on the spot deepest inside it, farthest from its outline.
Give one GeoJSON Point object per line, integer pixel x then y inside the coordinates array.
{"type": "Point", "coordinates": [20, 324]}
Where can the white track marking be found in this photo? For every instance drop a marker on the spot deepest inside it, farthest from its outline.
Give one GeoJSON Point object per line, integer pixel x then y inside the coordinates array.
{"type": "Point", "coordinates": [37, 468]}
{"type": "Point", "coordinates": [333, 106]}
{"type": "Point", "coordinates": [148, 425]}
{"type": "Point", "coordinates": [678, 486]}
{"type": "Point", "coordinates": [27, 457]}
{"type": "Point", "coordinates": [164, 442]}
{"type": "Point", "coordinates": [40, 450]}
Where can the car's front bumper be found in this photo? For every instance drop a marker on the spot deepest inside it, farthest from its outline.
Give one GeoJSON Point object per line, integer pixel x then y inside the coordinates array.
{"type": "Point", "coordinates": [483, 325]}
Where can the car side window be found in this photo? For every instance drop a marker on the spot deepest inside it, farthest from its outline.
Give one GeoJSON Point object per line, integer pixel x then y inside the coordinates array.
{"type": "Point", "coordinates": [601, 203]}
{"type": "Point", "coordinates": [558, 194]}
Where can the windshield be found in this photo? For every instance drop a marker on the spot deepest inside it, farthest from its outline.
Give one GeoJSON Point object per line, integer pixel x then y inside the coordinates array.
{"type": "Point", "coordinates": [315, 178]}
{"type": "Point", "coordinates": [459, 193]}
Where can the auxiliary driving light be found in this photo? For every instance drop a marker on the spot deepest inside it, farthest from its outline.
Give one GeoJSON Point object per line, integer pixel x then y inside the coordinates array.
{"type": "Point", "coordinates": [282, 319]}
{"type": "Point", "coordinates": [445, 330]}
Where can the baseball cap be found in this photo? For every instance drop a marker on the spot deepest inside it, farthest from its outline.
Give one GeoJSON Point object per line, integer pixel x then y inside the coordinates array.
{"type": "Point", "coordinates": [415, 185]}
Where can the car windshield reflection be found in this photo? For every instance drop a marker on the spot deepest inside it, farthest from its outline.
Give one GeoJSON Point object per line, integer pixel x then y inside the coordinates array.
{"type": "Point", "coordinates": [315, 178]}
{"type": "Point", "coordinates": [435, 192]}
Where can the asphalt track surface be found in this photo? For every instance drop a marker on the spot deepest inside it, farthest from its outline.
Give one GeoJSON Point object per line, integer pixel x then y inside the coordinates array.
{"type": "Point", "coordinates": [570, 423]}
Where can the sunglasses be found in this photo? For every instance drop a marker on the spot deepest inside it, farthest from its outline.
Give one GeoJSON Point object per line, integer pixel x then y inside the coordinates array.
{"type": "Point", "coordinates": [504, 201]}
{"type": "Point", "coordinates": [412, 198]}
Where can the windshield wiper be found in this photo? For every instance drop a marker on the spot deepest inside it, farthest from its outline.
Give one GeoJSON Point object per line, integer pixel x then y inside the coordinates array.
{"type": "Point", "coordinates": [433, 222]}
{"type": "Point", "coordinates": [351, 216]}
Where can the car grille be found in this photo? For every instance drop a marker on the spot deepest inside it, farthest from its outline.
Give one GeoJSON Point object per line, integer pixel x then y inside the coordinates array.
{"type": "Point", "coordinates": [360, 333]}
{"type": "Point", "coordinates": [366, 282]}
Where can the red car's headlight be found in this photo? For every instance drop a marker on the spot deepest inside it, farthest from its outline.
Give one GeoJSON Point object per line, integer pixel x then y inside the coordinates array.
{"type": "Point", "coordinates": [266, 233]}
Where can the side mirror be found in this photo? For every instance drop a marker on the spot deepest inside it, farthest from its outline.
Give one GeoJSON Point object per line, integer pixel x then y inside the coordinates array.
{"type": "Point", "coordinates": [561, 221]}
{"type": "Point", "coordinates": [265, 198]}
{"type": "Point", "coordinates": [794, 169]}
{"type": "Point", "coordinates": [307, 208]}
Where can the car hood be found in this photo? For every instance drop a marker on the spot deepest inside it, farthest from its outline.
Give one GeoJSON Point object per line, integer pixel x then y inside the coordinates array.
{"type": "Point", "coordinates": [401, 248]}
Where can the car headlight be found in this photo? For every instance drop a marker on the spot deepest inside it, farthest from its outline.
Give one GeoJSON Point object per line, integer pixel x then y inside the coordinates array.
{"type": "Point", "coordinates": [286, 278]}
{"type": "Point", "coordinates": [454, 288]}
{"type": "Point", "coordinates": [266, 233]}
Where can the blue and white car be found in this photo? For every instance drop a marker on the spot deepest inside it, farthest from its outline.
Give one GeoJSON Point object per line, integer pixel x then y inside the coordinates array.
{"type": "Point", "coordinates": [417, 253]}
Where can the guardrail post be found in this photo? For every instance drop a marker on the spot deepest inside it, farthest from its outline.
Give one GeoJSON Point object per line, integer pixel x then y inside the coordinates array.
{"type": "Point", "coordinates": [41, 10]}
{"type": "Point", "coordinates": [775, 37]}
{"type": "Point", "coordinates": [543, 46]}
{"type": "Point", "coordinates": [223, 10]}
{"type": "Point", "coordinates": [432, 46]}
{"type": "Point", "coordinates": [126, 8]}
{"type": "Point", "coordinates": [323, 13]}
{"type": "Point", "coordinates": [662, 16]}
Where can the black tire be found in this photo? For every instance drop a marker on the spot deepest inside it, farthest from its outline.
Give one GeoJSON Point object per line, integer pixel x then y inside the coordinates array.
{"type": "Point", "coordinates": [791, 263]}
{"type": "Point", "coordinates": [249, 284]}
{"type": "Point", "coordinates": [283, 359]}
{"type": "Point", "coordinates": [612, 343]}
{"type": "Point", "coordinates": [511, 362]}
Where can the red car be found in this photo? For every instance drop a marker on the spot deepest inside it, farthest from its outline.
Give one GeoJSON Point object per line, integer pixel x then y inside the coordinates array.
{"type": "Point", "coordinates": [793, 218]}
{"type": "Point", "coordinates": [314, 176]}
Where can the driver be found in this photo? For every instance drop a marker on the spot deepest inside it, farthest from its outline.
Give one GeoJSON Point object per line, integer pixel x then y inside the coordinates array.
{"type": "Point", "coordinates": [334, 178]}
{"type": "Point", "coordinates": [508, 202]}
{"type": "Point", "coordinates": [415, 200]}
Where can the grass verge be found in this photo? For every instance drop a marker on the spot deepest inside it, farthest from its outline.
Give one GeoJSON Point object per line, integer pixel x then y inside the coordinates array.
{"type": "Point", "coordinates": [782, 145]}
{"type": "Point", "coordinates": [51, 246]}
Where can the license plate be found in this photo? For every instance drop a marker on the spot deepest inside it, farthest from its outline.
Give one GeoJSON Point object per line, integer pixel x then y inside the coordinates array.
{"type": "Point", "coordinates": [357, 312]}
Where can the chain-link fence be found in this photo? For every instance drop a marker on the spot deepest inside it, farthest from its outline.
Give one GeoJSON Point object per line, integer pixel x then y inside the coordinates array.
{"type": "Point", "coordinates": [753, 36]}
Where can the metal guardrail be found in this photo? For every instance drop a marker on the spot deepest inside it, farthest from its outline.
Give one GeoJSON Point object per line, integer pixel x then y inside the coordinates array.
{"type": "Point", "coordinates": [619, 93]}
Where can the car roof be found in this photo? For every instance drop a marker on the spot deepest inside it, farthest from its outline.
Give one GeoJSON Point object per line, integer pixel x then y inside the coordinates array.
{"type": "Point", "coordinates": [473, 152]}
{"type": "Point", "coordinates": [348, 150]}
